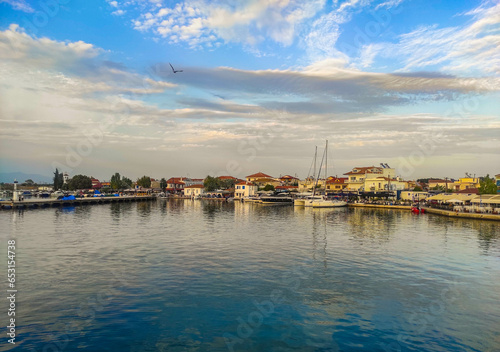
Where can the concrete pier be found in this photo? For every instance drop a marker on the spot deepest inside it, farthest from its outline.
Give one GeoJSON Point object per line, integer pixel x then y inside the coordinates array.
{"type": "Point", "coordinates": [48, 202]}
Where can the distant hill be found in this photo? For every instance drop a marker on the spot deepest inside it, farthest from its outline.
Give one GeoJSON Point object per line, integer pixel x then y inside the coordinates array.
{"type": "Point", "coordinates": [8, 177]}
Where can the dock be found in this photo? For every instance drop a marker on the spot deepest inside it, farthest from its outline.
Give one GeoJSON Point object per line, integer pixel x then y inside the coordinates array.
{"type": "Point", "coordinates": [48, 202]}
{"type": "Point", "coordinates": [453, 214]}
{"type": "Point", "coordinates": [363, 205]}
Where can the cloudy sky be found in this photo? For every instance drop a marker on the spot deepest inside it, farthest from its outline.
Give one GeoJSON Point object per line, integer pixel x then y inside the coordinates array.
{"type": "Point", "coordinates": [86, 86]}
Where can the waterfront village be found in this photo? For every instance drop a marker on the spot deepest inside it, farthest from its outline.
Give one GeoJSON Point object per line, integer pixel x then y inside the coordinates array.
{"type": "Point", "coordinates": [361, 185]}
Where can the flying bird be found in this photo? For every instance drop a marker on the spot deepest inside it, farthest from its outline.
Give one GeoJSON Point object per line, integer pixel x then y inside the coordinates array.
{"type": "Point", "coordinates": [175, 71]}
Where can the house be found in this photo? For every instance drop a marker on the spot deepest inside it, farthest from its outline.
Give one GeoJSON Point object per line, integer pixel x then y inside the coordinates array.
{"type": "Point", "coordinates": [245, 189]}
{"type": "Point", "coordinates": [95, 183]}
{"type": "Point", "coordinates": [288, 180]}
{"type": "Point", "coordinates": [155, 183]}
{"type": "Point", "coordinates": [264, 181]}
{"type": "Point", "coordinates": [466, 183]}
{"type": "Point", "coordinates": [194, 190]}
{"type": "Point", "coordinates": [175, 185]}
{"type": "Point", "coordinates": [336, 184]}
{"type": "Point", "coordinates": [309, 183]}
{"type": "Point", "coordinates": [440, 183]}
{"type": "Point", "coordinates": [258, 175]}
{"type": "Point", "coordinates": [374, 179]}
{"type": "Point", "coordinates": [414, 196]}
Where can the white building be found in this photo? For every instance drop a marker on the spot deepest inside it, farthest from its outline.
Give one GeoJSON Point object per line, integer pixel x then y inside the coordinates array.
{"type": "Point", "coordinates": [194, 190]}
{"type": "Point", "coordinates": [245, 189]}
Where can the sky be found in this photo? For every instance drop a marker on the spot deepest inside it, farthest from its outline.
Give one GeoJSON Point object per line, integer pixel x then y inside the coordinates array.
{"type": "Point", "coordinates": [87, 86]}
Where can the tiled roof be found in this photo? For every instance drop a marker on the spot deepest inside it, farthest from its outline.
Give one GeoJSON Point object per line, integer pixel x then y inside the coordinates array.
{"type": "Point", "coordinates": [195, 186]}
{"type": "Point", "coordinates": [259, 174]}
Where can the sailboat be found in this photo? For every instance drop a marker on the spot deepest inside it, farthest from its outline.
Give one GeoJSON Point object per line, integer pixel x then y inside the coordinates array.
{"type": "Point", "coordinates": [306, 201]}
{"type": "Point", "coordinates": [324, 202]}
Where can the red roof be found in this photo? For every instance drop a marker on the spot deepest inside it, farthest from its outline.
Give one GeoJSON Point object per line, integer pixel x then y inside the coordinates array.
{"type": "Point", "coordinates": [227, 178]}
{"type": "Point", "coordinates": [288, 177]}
{"type": "Point", "coordinates": [468, 190]}
{"type": "Point", "coordinates": [260, 174]}
{"type": "Point", "coordinates": [195, 186]}
{"type": "Point", "coordinates": [337, 180]}
{"type": "Point", "coordinates": [362, 170]}
{"type": "Point", "coordinates": [245, 183]}
{"type": "Point", "coordinates": [176, 180]}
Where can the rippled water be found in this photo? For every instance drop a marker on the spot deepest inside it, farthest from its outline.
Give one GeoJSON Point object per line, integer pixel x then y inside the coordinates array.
{"type": "Point", "coordinates": [202, 276]}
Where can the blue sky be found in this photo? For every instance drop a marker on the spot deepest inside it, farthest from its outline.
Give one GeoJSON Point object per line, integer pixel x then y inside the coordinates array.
{"type": "Point", "coordinates": [87, 86]}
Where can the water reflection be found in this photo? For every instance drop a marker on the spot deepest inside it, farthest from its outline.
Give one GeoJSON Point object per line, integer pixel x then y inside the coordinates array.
{"type": "Point", "coordinates": [349, 279]}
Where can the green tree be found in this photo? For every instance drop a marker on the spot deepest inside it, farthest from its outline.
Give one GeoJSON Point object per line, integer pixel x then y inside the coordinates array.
{"type": "Point", "coordinates": [79, 182]}
{"type": "Point", "coordinates": [226, 184]}
{"type": "Point", "coordinates": [144, 181]}
{"type": "Point", "coordinates": [29, 182]}
{"type": "Point", "coordinates": [417, 189]}
{"type": "Point", "coordinates": [487, 185]}
{"type": "Point", "coordinates": [211, 183]}
{"type": "Point", "coordinates": [126, 182]}
{"type": "Point", "coordinates": [116, 182]}
{"type": "Point", "coordinates": [163, 184]}
{"type": "Point", "coordinates": [58, 180]}
{"type": "Point", "coordinates": [269, 188]}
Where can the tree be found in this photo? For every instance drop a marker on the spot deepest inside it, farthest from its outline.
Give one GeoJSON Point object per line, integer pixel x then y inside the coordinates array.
{"type": "Point", "coordinates": [115, 181]}
{"type": "Point", "coordinates": [226, 184]}
{"type": "Point", "coordinates": [29, 182]}
{"type": "Point", "coordinates": [417, 189]}
{"type": "Point", "coordinates": [144, 181]}
{"type": "Point", "coordinates": [80, 182]}
{"type": "Point", "coordinates": [163, 184]}
{"type": "Point", "coordinates": [126, 182]}
{"type": "Point", "coordinates": [487, 185]}
{"type": "Point", "coordinates": [58, 180]}
{"type": "Point", "coordinates": [211, 183]}
{"type": "Point", "coordinates": [269, 188]}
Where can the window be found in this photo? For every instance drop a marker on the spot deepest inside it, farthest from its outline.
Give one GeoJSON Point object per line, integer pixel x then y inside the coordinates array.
{"type": "Point", "coordinates": [243, 187]}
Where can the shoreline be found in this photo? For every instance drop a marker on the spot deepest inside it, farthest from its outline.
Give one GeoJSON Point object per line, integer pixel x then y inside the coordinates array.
{"type": "Point", "coordinates": [451, 214]}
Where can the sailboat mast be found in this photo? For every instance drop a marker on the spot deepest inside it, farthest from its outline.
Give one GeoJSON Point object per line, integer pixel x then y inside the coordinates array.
{"type": "Point", "coordinates": [326, 163]}
{"type": "Point", "coordinates": [319, 172]}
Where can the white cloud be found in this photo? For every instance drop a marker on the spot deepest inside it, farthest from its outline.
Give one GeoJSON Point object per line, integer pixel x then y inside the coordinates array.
{"type": "Point", "coordinates": [203, 22]}
{"type": "Point", "coordinates": [118, 12]}
{"type": "Point", "coordinates": [20, 5]}
{"type": "Point", "coordinates": [471, 49]}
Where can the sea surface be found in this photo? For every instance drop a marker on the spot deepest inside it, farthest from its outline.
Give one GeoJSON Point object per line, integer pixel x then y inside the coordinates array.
{"type": "Point", "coordinates": [186, 275]}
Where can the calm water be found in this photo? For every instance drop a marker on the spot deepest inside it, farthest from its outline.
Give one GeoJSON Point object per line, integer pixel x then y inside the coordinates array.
{"type": "Point", "coordinates": [200, 276]}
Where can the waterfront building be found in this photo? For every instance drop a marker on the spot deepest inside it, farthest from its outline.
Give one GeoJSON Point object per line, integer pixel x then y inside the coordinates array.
{"type": "Point", "coordinates": [465, 183]}
{"type": "Point", "coordinates": [414, 196]}
{"type": "Point", "coordinates": [288, 180]}
{"type": "Point", "coordinates": [175, 185]}
{"type": "Point", "coordinates": [373, 178]}
{"type": "Point", "coordinates": [308, 184]}
{"type": "Point", "coordinates": [96, 184]}
{"type": "Point", "coordinates": [155, 183]}
{"type": "Point", "coordinates": [245, 189]}
{"type": "Point", "coordinates": [194, 190]}
{"type": "Point", "coordinates": [441, 183]}
{"type": "Point", "coordinates": [336, 184]}
{"type": "Point", "coordinates": [258, 175]}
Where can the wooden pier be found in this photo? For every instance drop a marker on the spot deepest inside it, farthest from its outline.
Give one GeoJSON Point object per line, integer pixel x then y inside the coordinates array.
{"type": "Point", "coordinates": [51, 202]}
